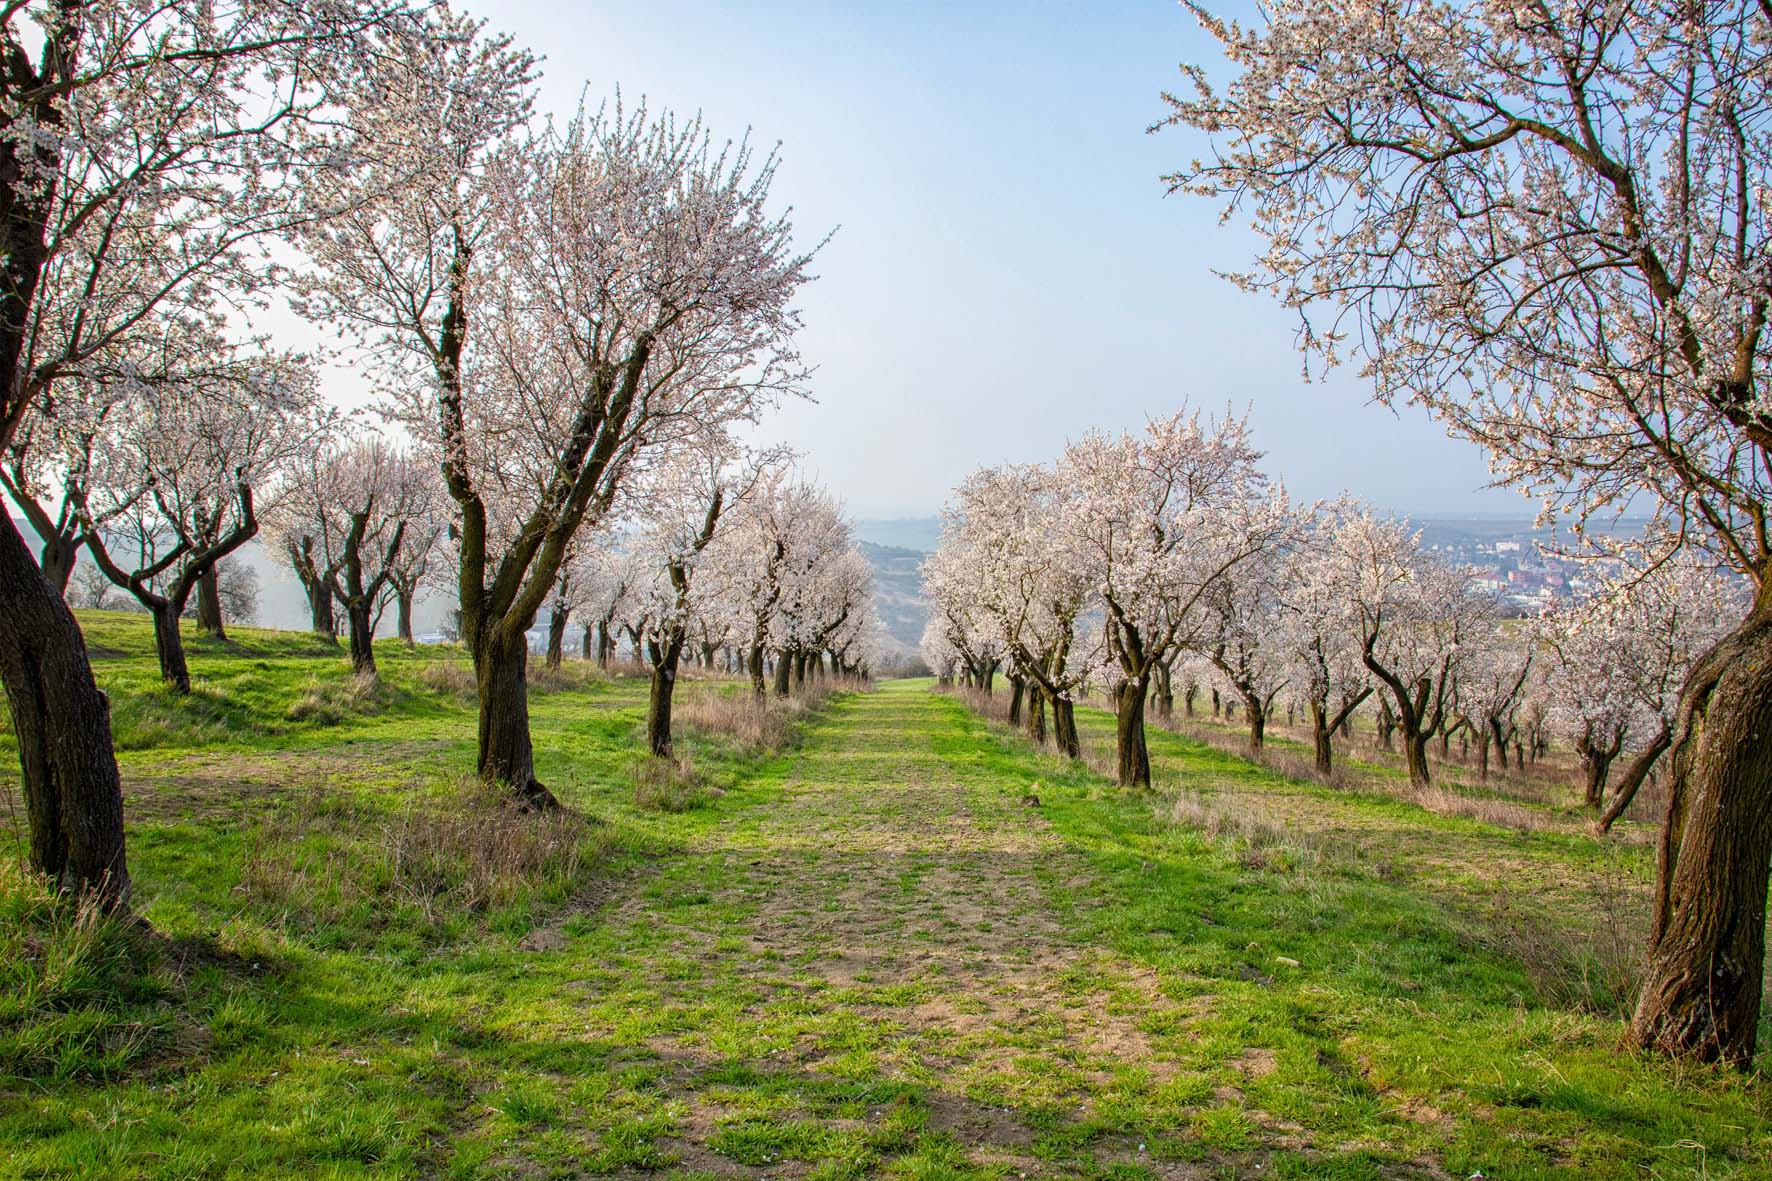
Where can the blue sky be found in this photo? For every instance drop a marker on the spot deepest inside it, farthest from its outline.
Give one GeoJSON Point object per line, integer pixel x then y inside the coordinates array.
{"type": "Point", "coordinates": [1008, 272]}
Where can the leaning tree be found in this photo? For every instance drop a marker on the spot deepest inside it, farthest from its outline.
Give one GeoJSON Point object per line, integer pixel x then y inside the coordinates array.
{"type": "Point", "coordinates": [1548, 226]}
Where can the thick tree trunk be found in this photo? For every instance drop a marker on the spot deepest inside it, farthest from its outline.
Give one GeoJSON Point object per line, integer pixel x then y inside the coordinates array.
{"type": "Point", "coordinates": [1415, 758]}
{"type": "Point", "coordinates": [1701, 993]}
{"type": "Point", "coordinates": [1165, 693]}
{"type": "Point", "coordinates": [1634, 775]}
{"type": "Point", "coordinates": [361, 617]}
{"type": "Point", "coordinates": [501, 669]}
{"type": "Point", "coordinates": [658, 705]}
{"type": "Point", "coordinates": [403, 615]}
{"type": "Point", "coordinates": [73, 795]}
{"type": "Point", "coordinates": [169, 645]}
{"type": "Point", "coordinates": [784, 671]}
{"type": "Point", "coordinates": [1035, 719]}
{"type": "Point", "coordinates": [755, 668]}
{"type": "Point", "coordinates": [1133, 756]}
{"type": "Point", "coordinates": [1064, 728]}
{"type": "Point", "coordinates": [1187, 699]}
{"type": "Point", "coordinates": [1386, 724]}
{"type": "Point", "coordinates": [1596, 766]}
{"type": "Point", "coordinates": [1017, 687]}
{"type": "Point", "coordinates": [209, 608]}
{"type": "Point", "coordinates": [1256, 708]}
{"type": "Point", "coordinates": [320, 616]}
{"type": "Point", "coordinates": [1500, 738]}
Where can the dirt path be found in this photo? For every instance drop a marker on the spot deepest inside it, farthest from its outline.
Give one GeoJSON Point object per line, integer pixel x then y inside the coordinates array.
{"type": "Point", "coordinates": [904, 911]}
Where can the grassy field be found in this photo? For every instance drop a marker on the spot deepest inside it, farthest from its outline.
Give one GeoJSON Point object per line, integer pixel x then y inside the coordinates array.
{"type": "Point", "coordinates": [869, 954]}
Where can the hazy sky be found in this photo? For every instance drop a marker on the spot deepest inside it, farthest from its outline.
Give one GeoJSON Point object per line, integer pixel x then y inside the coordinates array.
{"type": "Point", "coordinates": [1007, 271]}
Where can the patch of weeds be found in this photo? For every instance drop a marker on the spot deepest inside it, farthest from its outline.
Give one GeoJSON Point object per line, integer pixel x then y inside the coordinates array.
{"type": "Point", "coordinates": [74, 983]}
{"type": "Point", "coordinates": [335, 861]}
{"type": "Point", "coordinates": [330, 702]}
{"type": "Point", "coordinates": [664, 784]}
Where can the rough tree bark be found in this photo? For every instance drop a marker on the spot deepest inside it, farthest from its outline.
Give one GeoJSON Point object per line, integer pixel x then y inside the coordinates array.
{"type": "Point", "coordinates": [1701, 992]}
{"type": "Point", "coordinates": [73, 794]}
{"type": "Point", "coordinates": [209, 606]}
{"type": "Point", "coordinates": [1132, 755]}
{"type": "Point", "coordinates": [1596, 764]}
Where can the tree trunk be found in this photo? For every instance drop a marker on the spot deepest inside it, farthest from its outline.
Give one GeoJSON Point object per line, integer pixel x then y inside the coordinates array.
{"type": "Point", "coordinates": [755, 668]}
{"type": "Point", "coordinates": [1132, 754]}
{"type": "Point", "coordinates": [556, 637]}
{"type": "Point", "coordinates": [320, 617]}
{"type": "Point", "coordinates": [1701, 993]}
{"type": "Point", "coordinates": [784, 671]}
{"type": "Point", "coordinates": [209, 608]}
{"type": "Point", "coordinates": [1387, 724]}
{"type": "Point", "coordinates": [169, 645]}
{"type": "Point", "coordinates": [403, 615]}
{"type": "Point", "coordinates": [1482, 756]}
{"type": "Point", "coordinates": [1187, 699]}
{"type": "Point", "coordinates": [56, 557]}
{"type": "Point", "coordinates": [1064, 727]}
{"type": "Point", "coordinates": [501, 669]}
{"type": "Point", "coordinates": [1322, 735]}
{"type": "Point", "coordinates": [1017, 687]}
{"type": "Point", "coordinates": [1634, 775]}
{"type": "Point", "coordinates": [1415, 758]}
{"type": "Point", "coordinates": [361, 617]}
{"type": "Point", "coordinates": [1257, 711]}
{"type": "Point", "coordinates": [1035, 720]}
{"type": "Point", "coordinates": [1165, 693]}
{"type": "Point", "coordinates": [73, 794]}
{"type": "Point", "coordinates": [658, 705]}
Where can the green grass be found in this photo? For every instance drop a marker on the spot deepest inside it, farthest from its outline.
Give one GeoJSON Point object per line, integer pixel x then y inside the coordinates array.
{"type": "Point", "coordinates": [864, 957]}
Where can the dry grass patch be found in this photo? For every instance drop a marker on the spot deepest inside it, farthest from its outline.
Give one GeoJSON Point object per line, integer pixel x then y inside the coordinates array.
{"type": "Point", "coordinates": [329, 702]}
{"type": "Point", "coordinates": [663, 784]}
{"type": "Point", "coordinates": [330, 858]}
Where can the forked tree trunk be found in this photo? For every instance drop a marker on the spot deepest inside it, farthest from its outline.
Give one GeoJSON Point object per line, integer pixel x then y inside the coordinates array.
{"type": "Point", "coordinates": [506, 756]}
{"type": "Point", "coordinates": [73, 794]}
{"type": "Point", "coordinates": [209, 606]}
{"type": "Point", "coordinates": [1132, 755]}
{"type": "Point", "coordinates": [1634, 775]}
{"type": "Point", "coordinates": [1596, 766]}
{"type": "Point", "coordinates": [1701, 992]}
